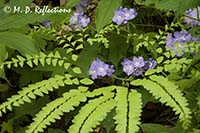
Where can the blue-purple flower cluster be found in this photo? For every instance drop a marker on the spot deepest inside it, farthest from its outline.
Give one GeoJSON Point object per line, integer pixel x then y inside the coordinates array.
{"type": "Point", "coordinates": [46, 23]}
{"type": "Point", "coordinates": [79, 20]}
{"type": "Point", "coordinates": [135, 66]}
{"type": "Point", "coordinates": [100, 69]}
{"type": "Point", "coordinates": [192, 13]}
{"type": "Point", "coordinates": [123, 15]}
{"type": "Point", "coordinates": [81, 7]}
{"type": "Point", "coordinates": [177, 41]}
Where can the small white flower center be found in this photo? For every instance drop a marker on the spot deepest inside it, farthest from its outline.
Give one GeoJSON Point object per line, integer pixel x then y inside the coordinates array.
{"type": "Point", "coordinates": [137, 63]}
{"type": "Point", "coordinates": [183, 38]}
{"type": "Point", "coordinates": [101, 69]}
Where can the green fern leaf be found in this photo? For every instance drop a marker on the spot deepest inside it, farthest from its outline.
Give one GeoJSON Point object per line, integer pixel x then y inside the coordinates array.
{"type": "Point", "coordinates": [135, 109]}
{"type": "Point", "coordinates": [86, 111]}
{"type": "Point", "coordinates": [166, 92]}
{"type": "Point", "coordinates": [55, 109]}
{"type": "Point", "coordinates": [32, 90]}
{"type": "Point", "coordinates": [176, 94]}
{"type": "Point", "coordinates": [121, 109]}
{"type": "Point", "coordinates": [98, 115]}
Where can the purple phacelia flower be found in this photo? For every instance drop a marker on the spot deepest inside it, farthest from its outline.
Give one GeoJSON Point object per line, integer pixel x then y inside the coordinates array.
{"type": "Point", "coordinates": [128, 66]}
{"type": "Point", "coordinates": [176, 42]}
{"type": "Point", "coordinates": [129, 14]}
{"type": "Point", "coordinates": [100, 69]}
{"type": "Point", "coordinates": [74, 19]}
{"type": "Point", "coordinates": [81, 7]}
{"type": "Point", "coordinates": [150, 64]}
{"type": "Point", "coordinates": [79, 20]}
{"type": "Point", "coordinates": [196, 39]}
{"type": "Point", "coordinates": [138, 61]}
{"type": "Point", "coordinates": [46, 23]}
{"type": "Point", "coordinates": [122, 15]}
{"type": "Point", "coordinates": [84, 3]}
{"type": "Point", "coordinates": [84, 20]}
{"type": "Point", "coordinates": [133, 66]}
{"type": "Point", "coordinates": [110, 70]}
{"type": "Point", "coordinates": [192, 13]}
{"type": "Point", "coordinates": [137, 71]}
{"type": "Point", "coordinates": [182, 36]}
{"type": "Point", "coordinates": [118, 18]}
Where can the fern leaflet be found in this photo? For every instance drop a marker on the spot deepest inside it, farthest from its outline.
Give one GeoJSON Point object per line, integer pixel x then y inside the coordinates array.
{"type": "Point", "coordinates": [55, 109]}
{"type": "Point", "coordinates": [166, 94]}
{"type": "Point", "coordinates": [176, 94]}
{"type": "Point", "coordinates": [98, 115]}
{"type": "Point", "coordinates": [121, 109]}
{"type": "Point", "coordinates": [39, 88]}
{"type": "Point", "coordinates": [135, 109]}
{"type": "Point", "coordinates": [86, 111]}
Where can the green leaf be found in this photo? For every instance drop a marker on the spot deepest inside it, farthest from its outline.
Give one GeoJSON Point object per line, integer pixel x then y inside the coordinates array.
{"type": "Point", "coordinates": [21, 3]}
{"type": "Point", "coordinates": [118, 49]}
{"type": "Point", "coordinates": [3, 56]}
{"type": "Point", "coordinates": [19, 20]}
{"type": "Point", "coordinates": [86, 81]}
{"type": "Point", "coordinates": [72, 3]}
{"type": "Point", "coordinates": [121, 109]}
{"type": "Point", "coordinates": [77, 70]}
{"type": "Point", "coordinates": [7, 126]}
{"type": "Point", "coordinates": [19, 42]}
{"type": "Point", "coordinates": [135, 109]}
{"type": "Point", "coordinates": [88, 55]}
{"type": "Point", "coordinates": [105, 12]}
{"type": "Point", "coordinates": [154, 128]}
{"type": "Point", "coordinates": [51, 130]}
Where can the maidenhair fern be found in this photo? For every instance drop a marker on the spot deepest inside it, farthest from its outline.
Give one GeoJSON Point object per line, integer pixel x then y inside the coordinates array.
{"type": "Point", "coordinates": [135, 109]}
{"type": "Point", "coordinates": [50, 59]}
{"type": "Point", "coordinates": [38, 89]}
{"type": "Point", "coordinates": [121, 109]}
{"type": "Point", "coordinates": [56, 108]}
{"type": "Point", "coordinates": [167, 92]}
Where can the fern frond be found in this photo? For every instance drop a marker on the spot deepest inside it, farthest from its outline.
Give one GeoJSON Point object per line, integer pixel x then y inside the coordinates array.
{"type": "Point", "coordinates": [55, 109]}
{"type": "Point", "coordinates": [53, 59]}
{"type": "Point", "coordinates": [166, 92]}
{"type": "Point", "coordinates": [98, 115]}
{"type": "Point", "coordinates": [39, 88]}
{"type": "Point", "coordinates": [102, 90]}
{"type": "Point", "coordinates": [121, 109]}
{"type": "Point", "coordinates": [135, 109]}
{"type": "Point", "coordinates": [176, 94]}
{"type": "Point", "coordinates": [86, 111]}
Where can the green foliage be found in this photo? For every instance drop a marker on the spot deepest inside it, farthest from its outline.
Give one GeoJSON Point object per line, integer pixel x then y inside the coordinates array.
{"type": "Point", "coordinates": [135, 109]}
{"type": "Point", "coordinates": [19, 21]}
{"type": "Point", "coordinates": [121, 109]}
{"type": "Point", "coordinates": [47, 70]}
{"type": "Point", "coordinates": [178, 5]}
{"type": "Point", "coordinates": [105, 11]}
{"type": "Point", "coordinates": [14, 41]}
{"type": "Point", "coordinates": [118, 48]}
{"type": "Point", "coordinates": [55, 109]}
{"type": "Point", "coordinates": [167, 92]}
